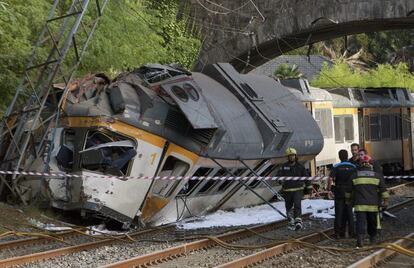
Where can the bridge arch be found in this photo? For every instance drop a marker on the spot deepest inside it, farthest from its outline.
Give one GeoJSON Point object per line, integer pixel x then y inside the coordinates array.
{"type": "Point", "coordinates": [249, 33]}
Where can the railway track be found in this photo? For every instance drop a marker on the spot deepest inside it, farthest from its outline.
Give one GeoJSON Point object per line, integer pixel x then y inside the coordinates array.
{"type": "Point", "coordinates": [387, 257]}
{"type": "Point", "coordinates": [158, 259]}
{"type": "Point", "coordinates": [29, 258]}
{"type": "Point", "coordinates": [102, 241]}
{"type": "Point", "coordinates": [402, 185]}
{"type": "Point", "coordinates": [66, 237]}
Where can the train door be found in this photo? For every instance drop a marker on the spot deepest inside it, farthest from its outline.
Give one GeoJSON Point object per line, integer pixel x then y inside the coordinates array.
{"type": "Point", "coordinates": [176, 162]}
{"type": "Point", "coordinates": [312, 163]}
{"type": "Point", "coordinates": [406, 139]}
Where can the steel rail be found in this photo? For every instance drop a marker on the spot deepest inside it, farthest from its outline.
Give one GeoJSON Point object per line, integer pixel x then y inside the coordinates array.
{"type": "Point", "coordinates": [37, 240]}
{"type": "Point", "coordinates": [20, 260]}
{"type": "Point", "coordinates": [278, 250]}
{"type": "Point", "coordinates": [410, 183]}
{"type": "Point", "coordinates": [289, 246]}
{"type": "Point", "coordinates": [170, 253]}
{"type": "Point", "coordinates": [381, 255]}
{"type": "Point", "coordinates": [179, 250]}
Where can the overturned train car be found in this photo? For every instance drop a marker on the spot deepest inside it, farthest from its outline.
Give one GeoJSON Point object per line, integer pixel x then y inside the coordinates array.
{"type": "Point", "coordinates": [161, 120]}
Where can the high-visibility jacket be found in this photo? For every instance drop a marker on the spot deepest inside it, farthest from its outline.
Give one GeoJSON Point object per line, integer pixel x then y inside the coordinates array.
{"type": "Point", "coordinates": [368, 190]}
{"type": "Point", "coordinates": [295, 170]}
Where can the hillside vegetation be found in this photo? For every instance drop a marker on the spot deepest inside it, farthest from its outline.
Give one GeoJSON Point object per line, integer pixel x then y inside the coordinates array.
{"type": "Point", "coordinates": [130, 34]}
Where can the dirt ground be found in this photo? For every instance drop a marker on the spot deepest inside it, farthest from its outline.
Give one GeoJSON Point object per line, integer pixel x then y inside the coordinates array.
{"type": "Point", "coordinates": [23, 219]}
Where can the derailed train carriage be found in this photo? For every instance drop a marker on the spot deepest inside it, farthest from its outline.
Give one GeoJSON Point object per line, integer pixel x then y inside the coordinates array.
{"type": "Point", "coordinates": [162, 120]}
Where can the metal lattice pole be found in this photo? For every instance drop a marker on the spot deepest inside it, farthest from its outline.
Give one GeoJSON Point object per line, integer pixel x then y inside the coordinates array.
{"type": "Point", "coordinates": [35, 107]}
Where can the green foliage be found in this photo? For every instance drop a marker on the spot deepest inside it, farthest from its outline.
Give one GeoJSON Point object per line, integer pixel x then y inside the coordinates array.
{"type": "Point", "coordinates": [19, 24]}
{"type": "Point", "coordinates": [131, 33]}
{"type": "Point", "coordinates": [385, 75]}
{"type": "Point", "coordinates": [284, 71]}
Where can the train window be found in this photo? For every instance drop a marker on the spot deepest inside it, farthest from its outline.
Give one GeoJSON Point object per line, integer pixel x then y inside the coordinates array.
{"type": "Point", "coordinates": [207, 186]}
{"type": "Point", "coordinates": [180, 93]}
{"type": "Point", "coordinates": [107, 152]}
{"type": "Point", "coordinates": [191, 184]}
{"type": "Point", "coordinates": [225, 185]}
{"type": "Point", "coordinates": [172, 167]}
{"type": "Point", "coordinates": [239, 171]}
{"type": "Point", "coordinates": [64, 156]}
{"type": "Point", "coordinates": [324, 119]}
{"type": "Point", "coordinates": [192, 92]}
{"type": "Point", "coordinates": [395, 127]}
{"type": "Point", "coordinates": [349, 128]}
{"type": "Point", "coordinates": [374, 128]}
{"type": "Point", "coordinates": [339, 131]}
{"type": "Point", "coordinates": [267, 170]}
{"type": "Point", "coordinates": [385, 126]}
{"type": "Point", "coordinates": [254, 184]}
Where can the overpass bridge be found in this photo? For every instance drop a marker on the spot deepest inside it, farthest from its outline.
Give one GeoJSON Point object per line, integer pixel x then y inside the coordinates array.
{"type": "Point", "coordinates": [248, 33]}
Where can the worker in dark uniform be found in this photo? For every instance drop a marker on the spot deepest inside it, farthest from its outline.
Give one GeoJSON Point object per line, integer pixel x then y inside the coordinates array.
{"type": "Point", "coordinates": [341, 175]}
{"type": "Point", "coordinates": [293, 190]}
{"type": "Point", "coordinates": [368, 190]}
{"type": "Point", "coordinates": [355, 154]}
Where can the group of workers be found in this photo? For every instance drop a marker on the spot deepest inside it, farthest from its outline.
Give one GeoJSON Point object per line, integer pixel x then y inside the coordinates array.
{"type": "Point", "coordinates": [357, 186]}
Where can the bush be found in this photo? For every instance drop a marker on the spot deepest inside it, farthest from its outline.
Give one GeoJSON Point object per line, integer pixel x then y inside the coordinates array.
{"type": "Point", "coordinates": [385, 75]}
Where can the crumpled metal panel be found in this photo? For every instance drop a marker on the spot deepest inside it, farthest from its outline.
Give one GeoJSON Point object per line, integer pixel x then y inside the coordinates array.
{"type": "Point", "coordinates": [196, 110]}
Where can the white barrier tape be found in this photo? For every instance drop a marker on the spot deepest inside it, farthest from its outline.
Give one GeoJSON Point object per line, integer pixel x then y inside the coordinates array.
{"type": "Point", "coordinates": [66, 175]}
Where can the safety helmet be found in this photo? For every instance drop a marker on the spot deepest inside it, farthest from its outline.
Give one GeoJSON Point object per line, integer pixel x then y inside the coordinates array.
{"type": "Point", "coordinates": [366, 159]}
{"type": "Point", "coordinates": [290, 151]}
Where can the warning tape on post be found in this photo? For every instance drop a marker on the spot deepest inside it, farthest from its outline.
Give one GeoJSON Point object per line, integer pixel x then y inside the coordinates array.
{"type": "Point", "coordinates": [61, 175]}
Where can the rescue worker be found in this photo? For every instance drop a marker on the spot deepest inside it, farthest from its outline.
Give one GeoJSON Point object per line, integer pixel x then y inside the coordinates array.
{"type": "Point", "coordinates": [341, 175]}
{"type": "Point", "coordinates": [355, 154]}
{"type": "Point", "coordinates": [293, 190]}
{"type": "Point", "coordinates": [375, 165]}
{"type": "Point", "coordinates": [368, 190]}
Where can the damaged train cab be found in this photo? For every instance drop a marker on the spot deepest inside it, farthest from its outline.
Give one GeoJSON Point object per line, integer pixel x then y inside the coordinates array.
{"type": "Point", "coordinates": [163, 120]}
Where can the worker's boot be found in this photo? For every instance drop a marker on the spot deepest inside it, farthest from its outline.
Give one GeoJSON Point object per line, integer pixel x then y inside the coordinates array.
{"type": "Point", "coordinates": [298, 224]}
{"type": "Point", "coordinates": [291, 224]}
{"type": "Point", "coordinates": [360, 241]}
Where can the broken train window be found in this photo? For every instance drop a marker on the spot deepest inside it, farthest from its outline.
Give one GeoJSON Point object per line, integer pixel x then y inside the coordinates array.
{"type": "Point", "coordinates": [64, 156]}
{"type": "Point", "coordinates": [172, 167]}
{"type": "Point", "coordinates": [107, 152]}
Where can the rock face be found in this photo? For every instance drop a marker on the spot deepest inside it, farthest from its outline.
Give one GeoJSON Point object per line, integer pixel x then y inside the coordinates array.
{"type": "Point", "coordinates": [249, 33]}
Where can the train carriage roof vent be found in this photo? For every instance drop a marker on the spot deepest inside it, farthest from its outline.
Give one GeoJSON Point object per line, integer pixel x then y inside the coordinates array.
{"type": "Point", "coordinates": [341, 91]}
{"type": "Point", "coordinates": [177, 121]}
{"type": "Point", "coordinates": [406, 95]}
{"type": "Point", "coordinates": [298, 83]}
{"type": "Point", "coordinates": [357, 94]}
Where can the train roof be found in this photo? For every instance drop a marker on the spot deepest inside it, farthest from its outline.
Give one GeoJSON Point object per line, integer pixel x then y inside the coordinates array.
{"type": "Point", "coordinates": [352, 97]}
{"type": "Point", "coordinates": [218, 113]}
{"type": "Point", "coordinates": [301, 89]}
{"type": "Point", "coordinates": [371, 97]}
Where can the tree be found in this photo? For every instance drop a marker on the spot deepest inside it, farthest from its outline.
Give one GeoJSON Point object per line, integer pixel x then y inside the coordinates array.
{"type": "Point", "coordinates": [130, 34]}
{"type": "Point", "coordinates": [284, 71]}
